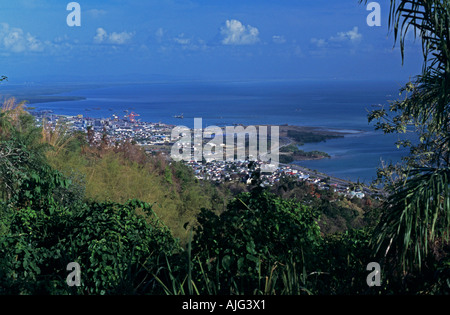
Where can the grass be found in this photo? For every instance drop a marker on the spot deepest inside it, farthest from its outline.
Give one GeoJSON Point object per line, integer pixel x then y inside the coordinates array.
{"type": "Point", "coordinates": [283, 279]}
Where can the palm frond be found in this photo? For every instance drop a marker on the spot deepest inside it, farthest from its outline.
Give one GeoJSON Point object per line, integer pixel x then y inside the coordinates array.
{"type": "Point", "coordinates": [416, 215]}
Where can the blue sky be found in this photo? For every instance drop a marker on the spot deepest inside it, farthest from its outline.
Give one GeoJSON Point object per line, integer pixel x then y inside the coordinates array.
{"type": "Point", "coordinates": [200, 39]}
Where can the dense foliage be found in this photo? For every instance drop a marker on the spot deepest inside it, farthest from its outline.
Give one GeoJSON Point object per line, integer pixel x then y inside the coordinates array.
{"type": "Point", "coordinates": [290, 239]}
{"type": "Point", "coordinates": [46, 224]}
{"type": "Point", "coordinates": [413, 233]}
{"type": "Point", "coordinates": [257, 231]}
{"type": "Point", "coordinates": [139, 224]}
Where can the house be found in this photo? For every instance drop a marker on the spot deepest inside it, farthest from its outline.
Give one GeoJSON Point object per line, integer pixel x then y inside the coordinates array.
{"type": "Point", "coordinates": [357, 194]}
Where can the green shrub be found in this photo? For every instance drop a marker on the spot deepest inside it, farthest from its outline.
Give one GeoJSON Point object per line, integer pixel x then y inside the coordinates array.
{"type": "Point", "coordinates": [115, 246]}
{"type": "Point", "coordinates": [257, 231]}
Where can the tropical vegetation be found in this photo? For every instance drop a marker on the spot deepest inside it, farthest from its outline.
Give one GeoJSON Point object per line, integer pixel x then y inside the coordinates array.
{"type": "Point", "coordinates": [142, 224]}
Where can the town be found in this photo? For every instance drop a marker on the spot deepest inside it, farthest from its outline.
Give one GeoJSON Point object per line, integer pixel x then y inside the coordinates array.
{"type": "Point", "coordinates": [156, 138]}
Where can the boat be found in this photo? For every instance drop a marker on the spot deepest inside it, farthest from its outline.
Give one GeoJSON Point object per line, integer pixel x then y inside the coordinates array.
{"type": "Point", "coordinates": [179, 116]}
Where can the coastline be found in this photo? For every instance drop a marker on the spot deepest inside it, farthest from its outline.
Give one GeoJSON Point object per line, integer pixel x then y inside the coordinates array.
{"type": "Point", "coordinates": [285, 140]}
{"type": "Point", "coordinates": [288, 141]}
{"type": "Point", "coordinates": [298, 155]}
{"type": "Point", "coordinates": [284, 129]}
{"type": "Point", "coordinates": [50, 99]}
{"type": "Point", "coordinates": [38, 93]}
{"type": "Point", "coordinates": [345, 132]}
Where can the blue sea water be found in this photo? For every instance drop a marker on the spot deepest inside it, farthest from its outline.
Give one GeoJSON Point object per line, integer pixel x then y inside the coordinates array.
{"type": "Point", "coordinates": [333, 105]}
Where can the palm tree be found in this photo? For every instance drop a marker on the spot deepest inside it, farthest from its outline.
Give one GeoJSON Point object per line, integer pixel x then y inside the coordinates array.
{"type": "Point", "coordinates": [416, 215]}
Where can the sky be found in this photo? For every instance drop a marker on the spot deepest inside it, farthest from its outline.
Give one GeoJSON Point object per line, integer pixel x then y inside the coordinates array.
{"type": "Point", "coordinates": [200, 40]}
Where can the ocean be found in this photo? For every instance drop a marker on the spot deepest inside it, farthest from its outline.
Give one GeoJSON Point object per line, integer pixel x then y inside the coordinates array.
{"type": "Point", "coordinates": [332, 105]}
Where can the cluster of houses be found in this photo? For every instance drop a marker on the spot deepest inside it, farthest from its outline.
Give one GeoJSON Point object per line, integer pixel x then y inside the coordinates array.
{"type": "Point", "coordinates": [241, 171]}
{"type": "Point", "coordinates": [150, 134]}
{"type": "Point", "coordinates": [115, 128]}
{"type": "Point", "coordinates": [223, 171]}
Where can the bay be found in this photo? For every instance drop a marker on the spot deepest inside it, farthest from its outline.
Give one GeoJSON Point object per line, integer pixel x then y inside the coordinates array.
{"type": "Point", "coordinates": [331, 105]}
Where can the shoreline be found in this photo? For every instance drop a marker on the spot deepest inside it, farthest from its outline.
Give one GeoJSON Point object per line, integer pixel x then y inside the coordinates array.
{"type": "Point", "coordinates": [50, 99]}
{"type": "Point", "coordinates": [335, 133]}
{"type": "Point", "coordinates": [318, 130]}
{"type": "Point", "coordinates": [41, 99]}
{"type": "Point", "coordinates": [285, 139]}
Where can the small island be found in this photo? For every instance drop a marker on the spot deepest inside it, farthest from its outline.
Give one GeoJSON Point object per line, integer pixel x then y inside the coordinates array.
{"type": "Point", "coordinates": [295, 136]}
{"type": "Point", "coordinates": [291, 153]}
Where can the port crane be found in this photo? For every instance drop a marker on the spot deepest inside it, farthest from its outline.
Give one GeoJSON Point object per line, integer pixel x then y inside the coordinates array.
{"type": "Point", "coordinates": [131, 116]}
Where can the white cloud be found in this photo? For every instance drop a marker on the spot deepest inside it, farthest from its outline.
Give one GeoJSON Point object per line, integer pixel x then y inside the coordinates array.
{"type": "Point", "coordinates": [160, 32]}
{"type": "Point", "coordinates": [120, 38]}
{"type": "Point", "coordinates": [189, 44]}
{"type": "Point", "coordinates": [102, 36]}
{"type": "Point", "coordinates": [33, 44]}
{"type": "Point", "coordinates": [16, 40]}
{"type": "Point", "coordinates": [277, 39]}
{"type": "Point", "coordinates": [61, 39]}
{"type": "Point", "coordinates": [319, 42]}
{"type": "Point", "coordinates": [182, 40]}
{"type": "Point", "coordinates": [235, 33]}
{"type": "Point", "coordinates": [96, 12]}
{"type": "Point", "coordinates": [298, 51]}
{"type": "Point", "coordinates": [352, 36]}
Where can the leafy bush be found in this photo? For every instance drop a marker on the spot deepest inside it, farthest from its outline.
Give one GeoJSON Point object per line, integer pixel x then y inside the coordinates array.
{"type": "Point", "coordinates": [257, 231]}
{"type": "Point", "coordinates": [115, 246]}
{"type": "Point", "coordinates": [46, 224]}
{"type": "Point", "coordinates": [342, 259]}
